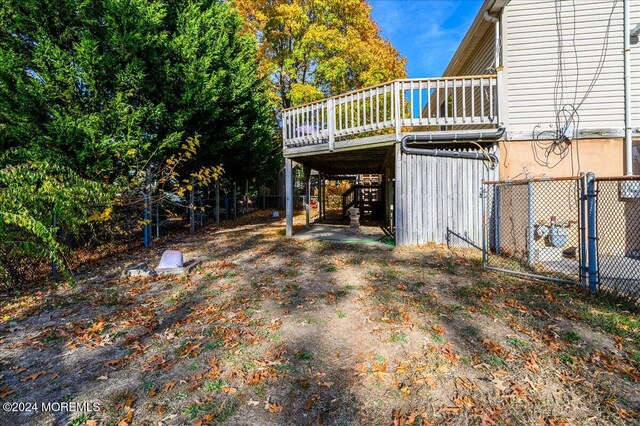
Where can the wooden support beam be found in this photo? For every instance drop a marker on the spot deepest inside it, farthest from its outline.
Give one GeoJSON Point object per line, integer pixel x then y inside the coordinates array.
{"type": "Point", "coordinates": [320, 197]}
{"type": "Point", "coordinates": [288, 165]}
{"type": "Point", "coordinates": [307, 194]}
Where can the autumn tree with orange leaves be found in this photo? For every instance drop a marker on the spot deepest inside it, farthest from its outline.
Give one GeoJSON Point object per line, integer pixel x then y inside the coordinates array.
{"type": "Point", "coordinates": [311, 49]}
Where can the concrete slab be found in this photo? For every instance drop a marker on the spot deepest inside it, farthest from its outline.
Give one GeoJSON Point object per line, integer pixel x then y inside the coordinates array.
{"type": "Point", "coordinates": [338, 233]}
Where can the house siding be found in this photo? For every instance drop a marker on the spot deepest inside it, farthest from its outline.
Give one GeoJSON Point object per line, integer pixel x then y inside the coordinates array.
{"type": "Point", "coordinates": [531, 60]}
{"type": "Point", "coordinates": [482, 61]}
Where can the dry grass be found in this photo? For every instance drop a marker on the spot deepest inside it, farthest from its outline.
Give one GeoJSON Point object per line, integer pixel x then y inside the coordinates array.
{"type": "Point", "coordinates": [278, 331]}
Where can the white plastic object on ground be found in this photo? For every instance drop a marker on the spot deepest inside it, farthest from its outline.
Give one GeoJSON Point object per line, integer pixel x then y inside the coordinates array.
{"type": "Point", "coordinates": [171, 259]}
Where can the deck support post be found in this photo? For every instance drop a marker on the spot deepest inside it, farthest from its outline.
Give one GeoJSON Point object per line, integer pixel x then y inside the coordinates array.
{"type": "Point", "coordinates": [288, 183]}
{"type": "Point", "coordinates": [307, 195]}
{"type": "Point", "coordinates": [320, 198]}
{"type": "Point", "coordinates": [398, 205]}
{"type": "Point", "coordinates": [324, 198]}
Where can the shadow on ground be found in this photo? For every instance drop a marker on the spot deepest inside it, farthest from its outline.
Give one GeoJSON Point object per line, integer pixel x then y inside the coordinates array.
{"type": "Point", "coordinates": [271, 330]}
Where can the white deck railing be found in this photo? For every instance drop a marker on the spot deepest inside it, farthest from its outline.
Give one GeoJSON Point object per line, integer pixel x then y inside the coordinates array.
{"type": "Point", "coordinates": [448, 101]}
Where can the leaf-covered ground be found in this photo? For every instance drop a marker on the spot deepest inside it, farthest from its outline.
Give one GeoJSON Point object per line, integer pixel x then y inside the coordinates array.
{"type": "Point", "coordinates": [270, 330]}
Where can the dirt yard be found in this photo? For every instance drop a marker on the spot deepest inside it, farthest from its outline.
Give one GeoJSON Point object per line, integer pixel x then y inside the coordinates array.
{"type": "Point", "coordinates": [272, 331]}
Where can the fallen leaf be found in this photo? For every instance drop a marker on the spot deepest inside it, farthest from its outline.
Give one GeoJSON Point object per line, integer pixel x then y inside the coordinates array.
{"type": "Point", "coordinates": [5, 391]}
{"type": "Point", "coordinates": [168, 386]}
{"type": "Point", "coordinates": [34, 376]}
{"type": "Point", "coordinates": [126, 420]}
{"type": "Point", "coordinates": [273, 407]}
{"type": "Point", "coordinates": [112, 362]}
{"type": "Point", "coordinates": [310, 402]}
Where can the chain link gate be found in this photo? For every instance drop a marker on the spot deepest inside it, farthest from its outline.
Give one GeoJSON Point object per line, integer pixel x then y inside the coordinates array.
{"type": "Point", "coordinates": [534, 228]}
{"type": "Point", "coordinates": [578, 230]}
{"type": "Point", "coordinates": [618, 236]}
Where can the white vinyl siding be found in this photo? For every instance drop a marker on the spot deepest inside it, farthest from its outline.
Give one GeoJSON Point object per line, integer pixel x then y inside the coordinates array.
{"type": "Point", "coordinates": [482, 62]}
{"type": "Point", "coordinates": [483, 59]}
{"type": "Point", "coordinates": [531, 42]}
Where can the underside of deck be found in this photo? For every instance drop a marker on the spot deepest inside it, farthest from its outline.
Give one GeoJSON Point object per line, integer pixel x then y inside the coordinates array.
{"type": "Point", "coordinates": [364, 161]}
{"type": "Point", "coordinates": [420, 135]}
{"type": "Point", "coordinates": [356, 156]}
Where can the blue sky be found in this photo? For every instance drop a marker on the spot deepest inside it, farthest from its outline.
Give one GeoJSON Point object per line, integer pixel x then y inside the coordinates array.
{"type": "Point", "coordinates": [426, 32]}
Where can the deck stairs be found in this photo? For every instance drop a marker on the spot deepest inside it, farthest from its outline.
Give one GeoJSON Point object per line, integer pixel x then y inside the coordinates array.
{"type": "Point", "coordinates": [367, 198]}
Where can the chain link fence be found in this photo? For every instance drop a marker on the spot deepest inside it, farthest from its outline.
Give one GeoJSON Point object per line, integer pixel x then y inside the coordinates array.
{"type": "Point", "coordinates": [21, 269]}
{"type": "Point", "coordinates": [533, 227]}
{"type": "Point", "coordinates": [618, 236]}
{"type": "Point", "coordinates": [141, 221]}
{"type": "Point", "coordinates": [580, 230]}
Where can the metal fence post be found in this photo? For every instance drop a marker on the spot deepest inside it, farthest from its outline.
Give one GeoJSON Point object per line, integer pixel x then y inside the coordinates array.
{"type": "Point", "coordinates": [147, 219]}
{"type": "Point", "coordinates": [235, 201]}
{"type": "Point", "coordinates": [246, 196]}
{"type": "Point", "coordinates": [218, 200]}
{"type": "Point", "coordinates": [584, 264]}
{"type": "Point", "coordinates": [192, 218]}
{"type": "Point", "coordinates": [532, 258]}
{"type": "Point", "coordinates": [591, 231]}
{"type": "Point", "coordinates": [54, 224]}
{"type": "Point", "coordinates": [483, 192]}
{"type": "Point", "coordinates": [496, 216]}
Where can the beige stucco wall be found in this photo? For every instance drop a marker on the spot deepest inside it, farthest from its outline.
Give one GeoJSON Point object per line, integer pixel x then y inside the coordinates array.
{"type": "Point", "coordinates": [618, 219]}
{"type": "Point", "coordinates": [604, 157]}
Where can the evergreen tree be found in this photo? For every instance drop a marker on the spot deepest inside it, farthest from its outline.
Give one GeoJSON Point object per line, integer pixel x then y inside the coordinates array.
{"type": "Point", "coordinates": [107, 89]}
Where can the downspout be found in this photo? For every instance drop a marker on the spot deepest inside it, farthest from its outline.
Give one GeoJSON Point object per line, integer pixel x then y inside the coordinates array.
{"type": "Point", "coordinates": [451, 137]}
{"type": "Point", "coordinates": [498, 66]}
{"type": "Point", "coordinates": [628, 140]}
{"type": "Point", "coordinates": [496, 21]}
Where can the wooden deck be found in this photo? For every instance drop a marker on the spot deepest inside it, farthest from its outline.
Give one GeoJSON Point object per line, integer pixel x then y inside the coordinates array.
{"type": "Point", "coordinates": [381, 115]}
